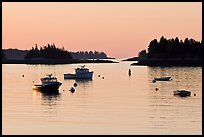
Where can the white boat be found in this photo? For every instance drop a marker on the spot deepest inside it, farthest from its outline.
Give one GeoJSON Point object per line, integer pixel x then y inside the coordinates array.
{"type": "Point", "coordinates": [163, 79]}
{"type": "Point", "coordinates": [48, 84]}
{"type": "Point", "coordinates": [80, 73]}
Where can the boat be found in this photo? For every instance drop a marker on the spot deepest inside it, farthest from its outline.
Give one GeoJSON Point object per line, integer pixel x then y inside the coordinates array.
{"type": "Point", "coordinates": [37, 87]}
{"type": "Point", "coordinates": [182, 93]}
{"type": "Point", "coordinates": [49, 84]}
{"type": "Point", "coordinates": [163, 79]}
{"type": "Point", "coordinates": [80, 73]}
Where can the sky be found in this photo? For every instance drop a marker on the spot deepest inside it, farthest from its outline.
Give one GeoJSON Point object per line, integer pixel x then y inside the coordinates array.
{"type": "Point", "coordinates": [120, 29]}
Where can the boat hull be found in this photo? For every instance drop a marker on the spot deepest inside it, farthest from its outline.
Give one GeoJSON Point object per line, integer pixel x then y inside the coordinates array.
{"type": "Point", "coordinates": [182, 93]}
{"type": "Point", "coordinates": [79, 76]}
{"type": "Point", "coordinates": [52, 87]}
{"type": "Point", "coordinates": [163, 79]}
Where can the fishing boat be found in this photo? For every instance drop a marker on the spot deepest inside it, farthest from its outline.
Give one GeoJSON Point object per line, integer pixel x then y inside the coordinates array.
{"type": "Point", "coordinates": [163, 79]}
{"type": "Point", "coordinates": [80, 73]}
{"type": "Point", "coordinates": [182, 93]}
{"type": "Point", "coordinates": [49, 83]}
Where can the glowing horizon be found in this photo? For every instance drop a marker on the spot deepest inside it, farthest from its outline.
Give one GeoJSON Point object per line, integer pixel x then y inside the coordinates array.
{"type": "Point", "coordinates": [120, 29]}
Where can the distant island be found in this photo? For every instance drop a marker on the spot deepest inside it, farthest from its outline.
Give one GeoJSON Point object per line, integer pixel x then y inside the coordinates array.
{"type": "Point", "coordinates": [170, 52]}
{"type": "Point", "coordinates": [50, 54]}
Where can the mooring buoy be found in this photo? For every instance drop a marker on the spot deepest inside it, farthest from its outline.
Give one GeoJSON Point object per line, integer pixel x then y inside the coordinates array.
{"type": "Point", "coordinates": [75, 84]}
{"type": "Point", "coordinates": [72, 90]}
{"type": "Point", "coordinates": [129, 72]}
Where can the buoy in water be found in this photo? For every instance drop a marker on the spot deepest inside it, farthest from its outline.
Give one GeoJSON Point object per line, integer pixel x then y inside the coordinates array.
{"type": "Point", "coordinates": [102, 77]}
{"type": "Point", "coordinates": [75, 84]}
{"type": "Point", "coordinates": [22, 75]}
{"type": "Point", "coordinates": [129, 72]}
{"type": "Point", "coordinates": [194, 94]}
{"type": "Point", "coordinates": [156, 89]}
{"type": "Point", "coordinates": [98, 75]}
{"type": "Point", "coordinates": [72, 90]}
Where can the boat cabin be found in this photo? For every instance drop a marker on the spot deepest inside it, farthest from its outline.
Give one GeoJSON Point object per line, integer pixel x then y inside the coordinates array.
{"type": "Point", "coordinates": [48, 78]}
{"type": "Point", "coordinates": [81, 70]}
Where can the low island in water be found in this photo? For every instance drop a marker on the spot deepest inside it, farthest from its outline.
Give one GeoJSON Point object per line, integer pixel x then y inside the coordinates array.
{"type": "Point", "coordinates": [170, 52]}
{"type": "Point", "coordinates": [50, 54]}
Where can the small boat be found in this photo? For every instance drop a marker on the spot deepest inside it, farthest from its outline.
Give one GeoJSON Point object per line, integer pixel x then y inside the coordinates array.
{"type": "Point", "coordinates": [80, 73]}
{"type": "Point", "coordinates": [182, 93]}
{"type": "Point", "coordinates": [163, 79]}
{"type": "Point", "coordinates": [37, 87]}
{"type": "Point", "coordinates": [49, 84]}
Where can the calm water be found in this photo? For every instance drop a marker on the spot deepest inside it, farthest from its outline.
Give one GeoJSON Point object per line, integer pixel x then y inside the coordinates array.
{"type": "Point", "coordinates": [117, 104]}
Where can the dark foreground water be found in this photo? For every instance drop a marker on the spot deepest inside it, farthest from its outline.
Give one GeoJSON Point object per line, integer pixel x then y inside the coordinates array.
{"type": "Point", "coordinates": [117, 104]}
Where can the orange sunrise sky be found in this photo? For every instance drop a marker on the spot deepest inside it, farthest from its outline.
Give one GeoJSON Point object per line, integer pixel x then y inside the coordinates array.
{"type": "Point", "coordinates": [120, 29]}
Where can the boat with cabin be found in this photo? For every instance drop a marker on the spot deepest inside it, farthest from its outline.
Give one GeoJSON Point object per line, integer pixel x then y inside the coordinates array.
{"type": "Point", "coordinates": [49, 83]}
{"type": "Point", "coordinates": [80, 73]}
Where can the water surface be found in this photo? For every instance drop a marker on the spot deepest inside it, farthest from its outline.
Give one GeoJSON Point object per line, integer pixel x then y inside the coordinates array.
{"type": "Point", "coordinates": [117, 104]}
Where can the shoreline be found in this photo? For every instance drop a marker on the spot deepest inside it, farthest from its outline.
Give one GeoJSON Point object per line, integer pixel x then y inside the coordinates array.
{"type": "Point", "coordinates": [53, 62]}
{"type": "Point", "coordinates": [132, 59]}
{"type": "Point", "coordinates": [169, 62]}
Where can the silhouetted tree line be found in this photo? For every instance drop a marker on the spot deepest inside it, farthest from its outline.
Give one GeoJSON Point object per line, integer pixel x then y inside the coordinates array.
{"type": "Point", "coordinates": [52, 52]}
{"type": "Point", "coordinates": [48, 52]}
{"type": "Point", "coordinates": [88, 55]}
{"type": "Point", "coordinates": [173, 48]}
{"type": "Point", "coordinates": [142, 54]}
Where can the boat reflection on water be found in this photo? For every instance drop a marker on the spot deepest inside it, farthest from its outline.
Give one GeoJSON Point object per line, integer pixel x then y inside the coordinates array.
{"type": "Point", "coordinates": [51, 94]}
{"type": "Point", "coordinates": [47, 95]}
{"type": "Point", "coordinates": [49, 101]}
{"type": "Point", "coordinates": [35, 91]}
{"type": "Point", "coordinates": [83, 82]}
